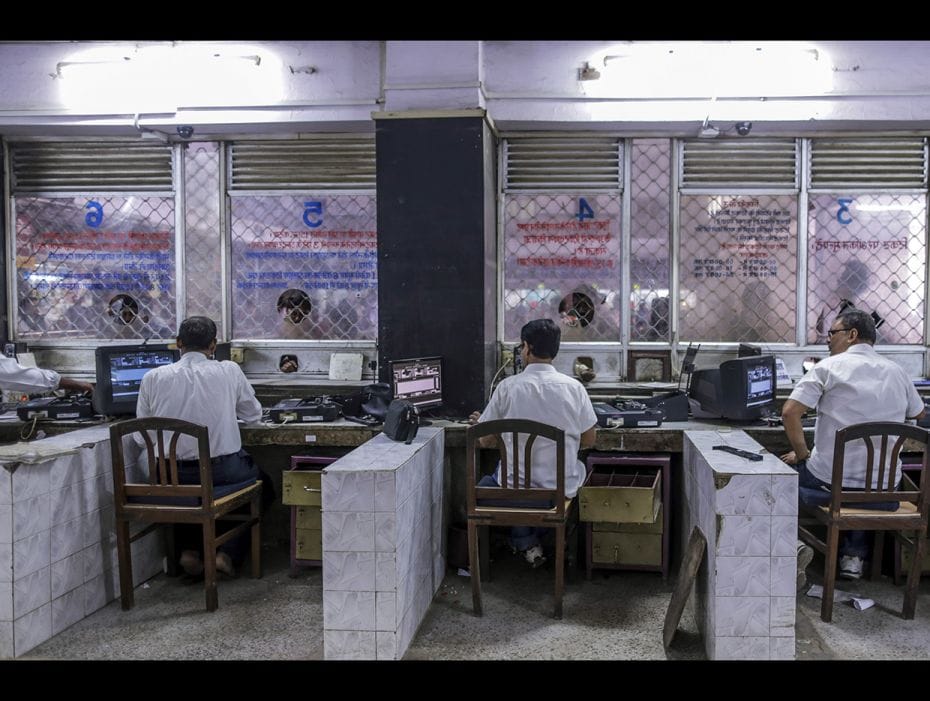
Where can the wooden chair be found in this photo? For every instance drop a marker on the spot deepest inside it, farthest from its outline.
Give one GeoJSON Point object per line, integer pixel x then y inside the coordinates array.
{"type": "Point", "coordinates": [163, 500]}
{"type": "Point", "coordinates": [479, 500]}
{"type": "Point", "coordinates": [841, 514]}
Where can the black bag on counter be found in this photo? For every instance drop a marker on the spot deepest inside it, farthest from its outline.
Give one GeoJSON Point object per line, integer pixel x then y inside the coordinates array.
{"type": "Point", "coordinates": [402, 421]}
{"type": "Point", "coordinates": [373, 400]}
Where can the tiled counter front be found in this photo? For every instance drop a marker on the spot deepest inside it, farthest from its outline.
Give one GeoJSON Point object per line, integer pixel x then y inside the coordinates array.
{"type": "Point", "coordinates": [382, 545]}
{"type": "Point", "coordinates": [57, 539]}
{"type": "Point", "coordinates": [748, 511]}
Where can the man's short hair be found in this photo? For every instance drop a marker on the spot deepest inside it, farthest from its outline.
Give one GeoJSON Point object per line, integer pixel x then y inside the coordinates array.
{"type": "Point", "coordinates": [542, 336]}
{"type": "Point", "coordinates": [859, 320]}
{"type": "Point", "coordinates": [197, 332]}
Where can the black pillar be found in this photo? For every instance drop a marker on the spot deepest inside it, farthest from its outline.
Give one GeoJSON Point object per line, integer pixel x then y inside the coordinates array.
{"type": "Point", "coordinates": [436, 251]}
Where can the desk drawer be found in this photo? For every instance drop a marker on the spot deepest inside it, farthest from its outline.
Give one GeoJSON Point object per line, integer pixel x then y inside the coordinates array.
{"type": "Point", "coordinates": [612, 548]}
{"type": "Point", "coordinates": [309, 544]}
{"type": "Point", "coordinates": [621, 495]}
{"type": "Point", "coordinates": [302, 488]}
{"type": "Point", "coordinates": [655, 527]}
{"type": "Point", "coordinates": [309, 517]}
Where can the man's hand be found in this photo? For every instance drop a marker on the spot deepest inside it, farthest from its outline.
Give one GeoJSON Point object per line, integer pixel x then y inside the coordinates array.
{"type": "Point", "coordinates": [791, 458]}
{"type": "Point", "coordinates": [70, 385]}
{"type": "Point", "coordinates": [288, 366]}
{"type": "Point", "coordinates": [473, 417]}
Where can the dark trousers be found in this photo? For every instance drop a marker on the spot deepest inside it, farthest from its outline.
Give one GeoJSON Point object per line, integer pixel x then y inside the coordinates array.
{"type": "Point", "coordinates": [815, 492]}
{"type": "Point", "coordinates": [228, 471]}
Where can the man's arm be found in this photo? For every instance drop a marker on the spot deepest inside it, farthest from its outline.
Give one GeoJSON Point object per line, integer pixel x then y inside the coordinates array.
{"type": "Point", "coordinates": [588, 438]}
{"type": "Point", "coordinates": [247, 406]}
{"type": "Point", "coordinates": [66, 383]}
{"type": "Point", "coordinates": [791, 415]}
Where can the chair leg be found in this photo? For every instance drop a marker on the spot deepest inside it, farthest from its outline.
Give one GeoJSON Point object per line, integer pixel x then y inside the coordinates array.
{"type": "Point", "coordinates": [559, 568]}
{"type": "Point", "coordinates": [913, 576]}
{"type": "Point", "coordinates": [474, 564]}
{"type": "Point", "coordinates": [878, 552]}
{"type": "Point", "coordinates": [829, 573]}
{"type": "Point", "coordinates": [256, 513]}
{"type": "Point", "coordinates": [124, 558]}
{"type": "Point", "coordinates": [171, 553]}
{"type": "Point", "coordinates": [484, 551]}
{"type": "Point", "coordinates": [209, 564]}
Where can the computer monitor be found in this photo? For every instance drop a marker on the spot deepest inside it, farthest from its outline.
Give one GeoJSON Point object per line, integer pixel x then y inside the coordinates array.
{"type": "Point", "coordinates": [120, 370]}
{"type": "Point", "coordinates": [739, 390]}
{"type": "Point", "coordinates": [418, 380]}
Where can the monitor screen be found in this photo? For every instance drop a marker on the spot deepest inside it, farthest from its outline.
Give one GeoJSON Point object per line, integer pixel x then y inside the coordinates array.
{"type": "Point", "coordinates": [120, 370]}
{"type": "Point", "coordinates": [739, 390]}
{"type": "Point", "coordinates": [418, 380]}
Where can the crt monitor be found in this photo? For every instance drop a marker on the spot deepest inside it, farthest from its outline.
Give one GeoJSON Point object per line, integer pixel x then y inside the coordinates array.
{"type": "Point", "coordinates": [740, 390]}
{"type": "Point", "coordinates": [120, 370]}
{"type": "Point", "coordinates": [418, 380]}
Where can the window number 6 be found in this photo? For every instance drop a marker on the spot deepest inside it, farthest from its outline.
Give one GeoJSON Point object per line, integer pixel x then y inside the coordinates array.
{"type": "Point", "coordinates": [94, 218]}
{"type": "Point", "coordinates": [311, 208]}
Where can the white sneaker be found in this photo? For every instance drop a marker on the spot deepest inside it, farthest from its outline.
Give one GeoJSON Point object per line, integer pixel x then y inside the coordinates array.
{"type": "Point", "coordinates": [534, 556]}
{"type": "Point", "coordinates": [805, 555]}
{"type": "Point", "coordinates": [850, 567]}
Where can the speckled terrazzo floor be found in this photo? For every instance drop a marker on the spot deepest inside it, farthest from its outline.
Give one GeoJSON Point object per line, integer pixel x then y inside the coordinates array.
{"type": "Point", "coordinates": [615, 616]}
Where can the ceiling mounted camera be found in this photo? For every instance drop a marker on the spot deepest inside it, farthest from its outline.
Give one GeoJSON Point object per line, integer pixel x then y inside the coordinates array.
{"type": "Point", "coordinates": [743, 128]}
{"type": "Point", "coordinates": [185, 131]}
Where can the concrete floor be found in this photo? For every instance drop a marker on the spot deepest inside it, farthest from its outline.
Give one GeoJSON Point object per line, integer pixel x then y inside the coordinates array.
{"type": "Point", "coordinates": [616, 616]}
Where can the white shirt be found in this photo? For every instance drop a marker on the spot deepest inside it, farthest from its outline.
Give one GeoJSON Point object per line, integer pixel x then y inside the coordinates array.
{"type": "Point", "coordinates": [17, 377]}
{"type": "Point", "coordinates": [852, 387]}
{"type": "Point", "coordinates": [542, 393]}
{"type": "Point", "coordinates": [204, 391]}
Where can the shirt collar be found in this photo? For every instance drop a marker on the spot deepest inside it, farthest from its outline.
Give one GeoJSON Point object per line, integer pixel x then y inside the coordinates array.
{"type": "Point", "coordinates": [540, 367]}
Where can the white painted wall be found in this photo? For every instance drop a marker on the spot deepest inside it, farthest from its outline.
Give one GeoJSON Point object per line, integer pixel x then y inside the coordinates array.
{"type": "Point", "coordinates": [336, 85]}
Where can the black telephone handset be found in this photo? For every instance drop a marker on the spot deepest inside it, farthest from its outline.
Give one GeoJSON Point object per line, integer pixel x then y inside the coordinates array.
{"type": "Point", "coordinates": [517, 359]}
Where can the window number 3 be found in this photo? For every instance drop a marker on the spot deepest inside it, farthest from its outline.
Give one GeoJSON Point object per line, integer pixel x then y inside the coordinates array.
{"type": "Point", "coordinates": [842, 214]}
{"type": "Point", "coordinates": [94, 218]}
{"type": "Point", "coordinates": [311, 208]}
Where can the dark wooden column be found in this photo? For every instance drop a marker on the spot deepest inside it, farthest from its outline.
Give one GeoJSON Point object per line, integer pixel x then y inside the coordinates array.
{"type": "Point", "coordinates": [436, 250]}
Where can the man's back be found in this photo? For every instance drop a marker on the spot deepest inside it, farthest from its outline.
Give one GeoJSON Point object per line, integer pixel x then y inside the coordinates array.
{"type": "Point", "coordinates": [204, 391]}
{"type": "Point", "coordinates": [852, 387]}
{"type": "Point", "coordinates": [541, 393]}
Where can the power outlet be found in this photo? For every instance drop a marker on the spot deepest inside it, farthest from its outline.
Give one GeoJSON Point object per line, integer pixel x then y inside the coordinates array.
{"type": "Point", "coordinates": [237, 355]}
{"type": "Point", "coordinates": [507, 357]}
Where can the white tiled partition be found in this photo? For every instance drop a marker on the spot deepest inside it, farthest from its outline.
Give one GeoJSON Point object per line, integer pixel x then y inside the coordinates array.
{"type": "Point", "coordinates": [748, 511]}
{"type": "Point", "coordinates": [382, 545]}
{"type": "Point", "coordinates": [57, 539]}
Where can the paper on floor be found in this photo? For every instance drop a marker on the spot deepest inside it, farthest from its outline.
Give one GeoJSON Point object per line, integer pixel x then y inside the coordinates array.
{"type": "Point", "coordinates": [860, 604]}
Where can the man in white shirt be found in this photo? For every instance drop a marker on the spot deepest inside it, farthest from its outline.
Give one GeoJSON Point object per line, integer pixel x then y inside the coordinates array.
{"type": "Point", "coordinates": [855, 384]}
{"type": "Point", "coordinates": [541, 393]}
{"type": "Point", "coordinates": [213, 393]}
{"type": "Point", "coordinates": [20, 378]}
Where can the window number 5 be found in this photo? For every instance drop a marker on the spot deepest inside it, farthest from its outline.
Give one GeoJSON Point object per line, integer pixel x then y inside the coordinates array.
{"type": "Point", "coordinates": [842, 214]}
{"type": "Point", "coordinates": [94, 217]}
{"type": "Point", "coordinates": [311, 208]}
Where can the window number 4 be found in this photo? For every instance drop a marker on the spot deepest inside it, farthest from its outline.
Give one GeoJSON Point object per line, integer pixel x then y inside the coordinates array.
{"type": "Point", "coordinates": [584, 210]}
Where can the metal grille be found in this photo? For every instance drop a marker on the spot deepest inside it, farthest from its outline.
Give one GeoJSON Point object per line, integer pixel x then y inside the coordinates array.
{"type": "Point", "coordinates": [738, 267]}
{"type": "Point", "coordinates": [344, 162]}
{"type": "Point", "coordinates": [869, 249]}
{"type": "Point", "coordinates": [649, 239]}
{"type": "Point", "coordinates": [859, 164]}
{"type": "Point", "coordinates": [572, 163]}
{"type": "Point", "coordinates": [95, 267]}
{"type": "Point", "coordinates": [203, 239]}
{"type": "Point", "coordinates": [321, 246]}
{"type": "Point", "coordinates": [91, 166]}
{"type": "Point", "coordinates": [561, 256]}
{"type": "Point", "coordinates": [744, 163]}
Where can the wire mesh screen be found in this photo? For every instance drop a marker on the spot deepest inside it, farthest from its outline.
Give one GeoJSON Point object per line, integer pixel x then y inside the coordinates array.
{"type": "Point", "coordinates": [649, 239]}
{"type": "Point", "coordinates": [95, 266]}
{"type": "Point", "coordinates": [869, 250]}
{"type": "Point", "coordinates": [561, 255]}
{"type": "Point", "coordinates": [305, 267]}
{"type": "Point", "coordinates": [738, 268]}
{"type": "Point", "coordinates": [203, 239]}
